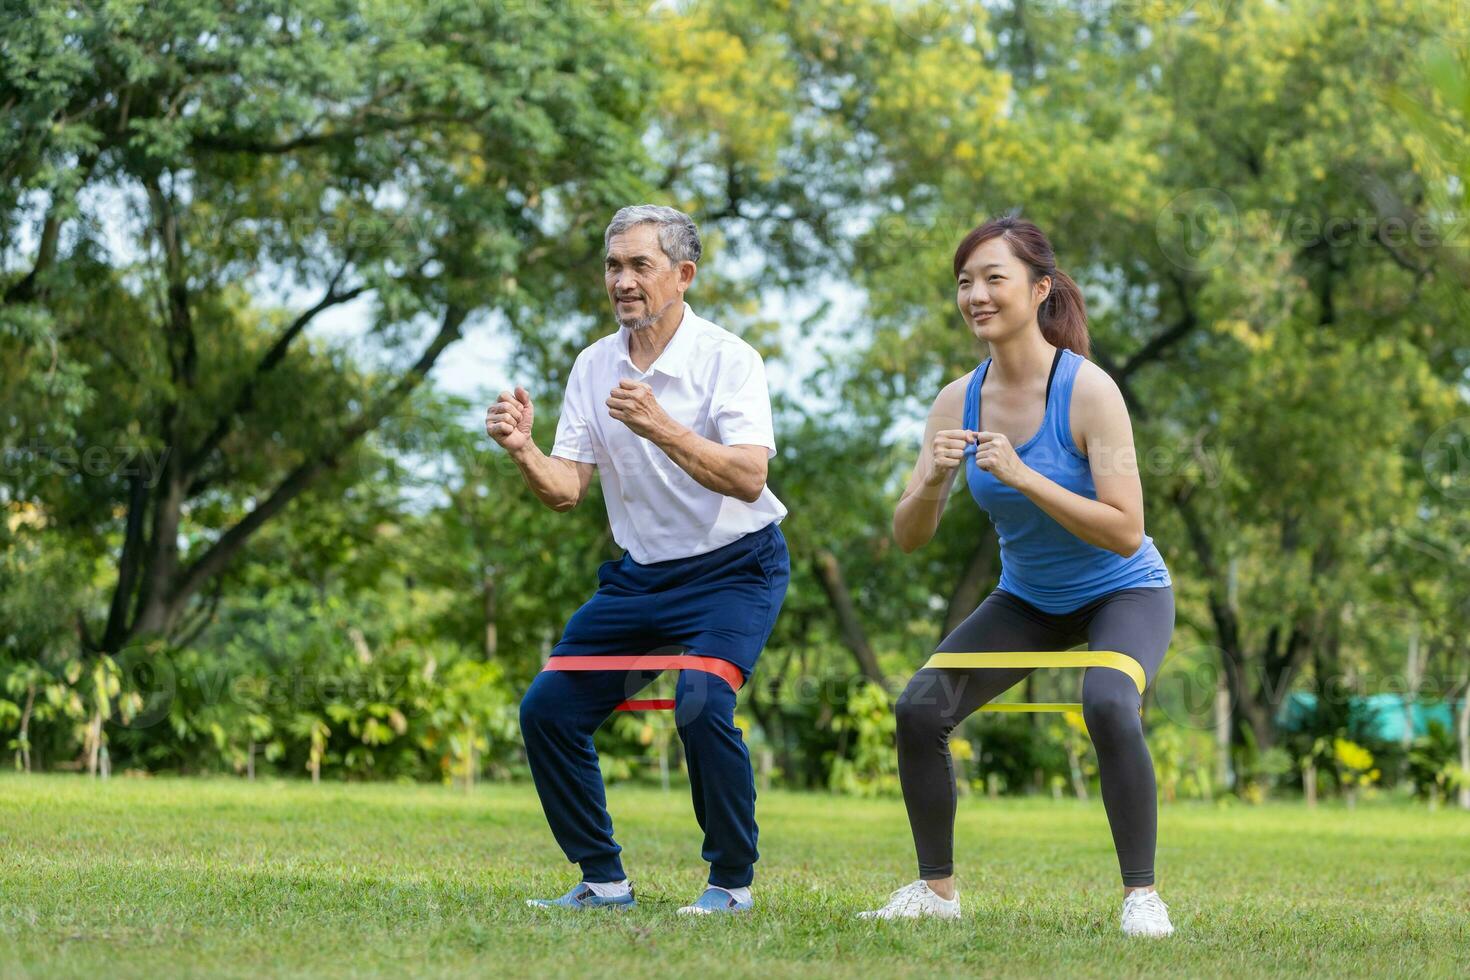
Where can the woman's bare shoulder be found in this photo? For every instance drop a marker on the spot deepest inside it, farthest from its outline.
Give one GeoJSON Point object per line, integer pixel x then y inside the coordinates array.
{"type": "Point", "coordinates": [948, 411]}
{"type": "Point", "coordinates": [1095, 387]}
{"type": "Point", "coordinates": [952, 396]}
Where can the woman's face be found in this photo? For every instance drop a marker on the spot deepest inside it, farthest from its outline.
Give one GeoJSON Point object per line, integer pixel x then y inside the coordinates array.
{"type": "Point", "coordinates": [995, 294]}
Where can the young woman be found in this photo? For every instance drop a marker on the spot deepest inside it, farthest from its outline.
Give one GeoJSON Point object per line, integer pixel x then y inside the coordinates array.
{"type": "Point", "coordinates": [1046, 446]}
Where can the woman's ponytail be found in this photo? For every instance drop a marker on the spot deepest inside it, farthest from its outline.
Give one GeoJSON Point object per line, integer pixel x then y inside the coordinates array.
{"type": "Point", "coordinates": [1063, 315]}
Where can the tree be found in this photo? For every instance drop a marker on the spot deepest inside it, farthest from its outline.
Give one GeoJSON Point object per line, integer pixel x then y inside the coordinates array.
{"type": "Point", "coordinates": [1243, 216]}
{"type": "Point", "coordinates": [177, 163]}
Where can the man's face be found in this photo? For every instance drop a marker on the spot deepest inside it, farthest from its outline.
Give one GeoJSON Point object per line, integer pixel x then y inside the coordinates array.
{"type": "Point", "coordinates": [641, 281]}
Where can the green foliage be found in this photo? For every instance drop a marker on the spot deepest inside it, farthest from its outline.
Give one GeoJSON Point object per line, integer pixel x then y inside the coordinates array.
{"type": "Point", "coordinates": [863, 762]}
{"type": "Point", "coordinates": [1261, 209]}
{"type": "Point", "coordinates": [290, 687]}
{"type": "Point", "coordinates": [1016, 754]}
{"type": "Point", "coordinates": [1433, 764]}
{"type": "Point", "coordinates": [1184, 763]}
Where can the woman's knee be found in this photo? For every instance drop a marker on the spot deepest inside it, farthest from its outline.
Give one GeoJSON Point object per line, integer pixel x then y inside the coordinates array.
{"type": "Point", "coordinates": [1111, 712]}
{"type": "Point", "coordinates": [920, 712]}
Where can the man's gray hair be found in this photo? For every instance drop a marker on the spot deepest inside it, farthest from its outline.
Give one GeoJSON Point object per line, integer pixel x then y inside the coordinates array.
{"type": "Point", "coordinates": [677, 234]}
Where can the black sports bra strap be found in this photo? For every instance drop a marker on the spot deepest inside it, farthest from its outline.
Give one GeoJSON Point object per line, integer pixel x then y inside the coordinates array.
{"type": "Point", "coordinates": [984, 369]}
{"type": "Point", "coordinates": [1054, 362]}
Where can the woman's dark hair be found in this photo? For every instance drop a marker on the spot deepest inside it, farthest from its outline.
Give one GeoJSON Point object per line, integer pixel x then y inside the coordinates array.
{"type": "Point", "coordinates": [1062, 316]}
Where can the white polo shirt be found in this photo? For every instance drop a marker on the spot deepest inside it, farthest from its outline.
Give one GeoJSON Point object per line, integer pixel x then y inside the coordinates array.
{"type": "Point", "coordinates": [706, 378]}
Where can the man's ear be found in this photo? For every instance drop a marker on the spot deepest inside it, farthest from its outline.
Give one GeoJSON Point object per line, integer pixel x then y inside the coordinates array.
{"type": "Point", "coordinates": [686, 274]}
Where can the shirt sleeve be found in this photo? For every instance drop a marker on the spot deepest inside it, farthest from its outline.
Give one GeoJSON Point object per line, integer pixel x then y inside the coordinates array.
{"type": "Point", "coordinates": [574, 434]}
{"type": "Point", "coordinates": [742, 403]}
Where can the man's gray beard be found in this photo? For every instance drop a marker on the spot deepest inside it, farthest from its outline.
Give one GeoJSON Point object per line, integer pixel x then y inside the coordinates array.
{"type": "Point", "coordinates": [636, 323]}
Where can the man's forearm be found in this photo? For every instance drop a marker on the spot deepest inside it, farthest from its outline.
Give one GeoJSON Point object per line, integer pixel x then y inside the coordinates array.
{"type": "Point", "coordinates": [723, 469]}
{"type": "Point", "coordinates": [553, 481]}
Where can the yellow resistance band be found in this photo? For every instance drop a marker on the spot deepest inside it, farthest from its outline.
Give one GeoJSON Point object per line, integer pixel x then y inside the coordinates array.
{"type": "Point", "coordinates": [1043, 658]}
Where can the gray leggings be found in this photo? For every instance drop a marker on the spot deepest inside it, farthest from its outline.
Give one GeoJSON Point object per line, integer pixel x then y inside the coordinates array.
{"type": "Point", "coordinates": [1138, 622]}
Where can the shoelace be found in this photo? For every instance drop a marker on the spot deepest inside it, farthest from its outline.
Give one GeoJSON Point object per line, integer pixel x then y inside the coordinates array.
{"type": "Point", "coordinates": [908, 897]}
{"type": "Point", "coordinates": [1150, 907]}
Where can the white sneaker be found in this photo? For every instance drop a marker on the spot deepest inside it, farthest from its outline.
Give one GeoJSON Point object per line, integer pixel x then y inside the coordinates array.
{"type": "Point", "coordinates": [1145, 914]}
{"type": "Point", "coordinates": [915, 900]}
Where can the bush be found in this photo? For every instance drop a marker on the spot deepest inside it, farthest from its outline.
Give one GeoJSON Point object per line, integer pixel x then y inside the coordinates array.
{"type": "Point", "coordinates": [292, 690]}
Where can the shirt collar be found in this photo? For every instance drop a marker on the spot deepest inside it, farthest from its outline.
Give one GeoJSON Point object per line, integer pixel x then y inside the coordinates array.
{"type": "Point", "coordinates": [675, 357]}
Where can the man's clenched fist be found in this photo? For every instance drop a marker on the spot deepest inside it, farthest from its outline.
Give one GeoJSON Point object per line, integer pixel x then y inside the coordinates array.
{"type": "Point", "coordinates": [508, 421]}
{"type": "Point", "coordinates": [632, 403]}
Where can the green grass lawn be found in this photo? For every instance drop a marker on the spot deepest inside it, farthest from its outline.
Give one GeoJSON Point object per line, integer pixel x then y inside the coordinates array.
{"type": "Point", "coordinates": [160, 877]}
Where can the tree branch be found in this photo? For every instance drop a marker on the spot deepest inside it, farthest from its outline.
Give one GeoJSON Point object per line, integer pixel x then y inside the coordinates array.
{"type": "Point", "coordinates": [214, 560]}
{"type": "Point", "coordinates": [1158, 344]}
{"type": "Point", "coordinates": [188, 634]}
{"type": "Point", "coordinates": [89, 645]}
{"type": "Point", "coordinates": [829, 573]}
{"type": "Point", "coordinates": [245, 399]}
{"type": "Point", "coordinates": [30, 287]}
{"type": "Point", "coordinates": [1203, 549]}
{"type": "Point", "coordinates": [128, 564]}
{"type": "Point", "coordinates": [179, 319]}
{"type": "Point", "coordinates": [1104, 359]}
{"type": "Point", "coordinates": [306, 141]}
{"type": "Point", "coordinates": [1399, 258]}
{"type": "Point", "coordinates": [966, 594]}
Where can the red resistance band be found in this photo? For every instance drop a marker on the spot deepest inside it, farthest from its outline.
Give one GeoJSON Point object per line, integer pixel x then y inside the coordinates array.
{"type": "Point", "coordinates": [651, 661]}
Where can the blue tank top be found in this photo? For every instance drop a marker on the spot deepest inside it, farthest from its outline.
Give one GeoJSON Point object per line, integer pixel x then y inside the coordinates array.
{"type": "Point", "coordinates": [1041, 561]}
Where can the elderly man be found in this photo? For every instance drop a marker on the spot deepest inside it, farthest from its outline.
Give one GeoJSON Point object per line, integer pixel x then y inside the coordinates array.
{"type": "Point", "coordinates": [674, 413]}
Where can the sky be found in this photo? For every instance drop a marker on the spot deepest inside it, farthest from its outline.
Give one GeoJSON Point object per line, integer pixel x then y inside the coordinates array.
{"type": "Point", "coordinates": [477, 367]}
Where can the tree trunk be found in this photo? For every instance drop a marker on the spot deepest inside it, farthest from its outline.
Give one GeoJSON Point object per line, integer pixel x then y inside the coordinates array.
{"type": "Point", "coordinates": [768, 716]}
{"type": "Point", "coordinates": [1074, 762]}
{"type": "Point", "coordinates": [1259, 680]}
{"type": "Point", "coordinates": [1464, 733]}
{"type": "Point", "coordinates": [164, 588]}
{"type": "Point", "coordinates": [155, 613]}
{"type": "Point", "coordinates": [487, 587]}
{"type": "Point", "coordinates": [1224, 727]}
{"type": "Point", "coordinates": [93, 744]}
{"type": "Point", "coordinates": [663, 762]}
{"type": "Point", "coordinates": [1413, 677]}
{"type": "Point", "coordinates": [850, 627]}
{"type": "Point", "coordinates": [25, 727]}
{"type": "Point", "coordinates": [970, 587]}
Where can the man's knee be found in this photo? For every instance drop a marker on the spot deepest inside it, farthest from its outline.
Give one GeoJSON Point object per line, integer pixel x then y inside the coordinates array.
{"type": "Point", "coordinates": [538, 708]}
{"type": "Point", "coordinates": [703, 703]}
